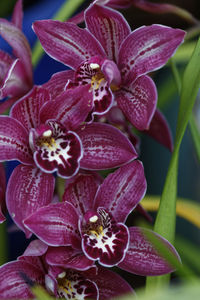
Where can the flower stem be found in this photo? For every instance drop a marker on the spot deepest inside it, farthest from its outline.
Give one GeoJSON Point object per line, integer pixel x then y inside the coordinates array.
{"type": "Point", "coordinates": [65, 11]}
{"type": "Point", "coordinates": [3, 241]}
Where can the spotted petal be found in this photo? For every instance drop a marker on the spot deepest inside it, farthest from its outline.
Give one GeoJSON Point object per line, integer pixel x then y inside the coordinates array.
{"type": "Point", "coordinates": [138, 101]}
{"type": "Point", "coordinates": [55, 224]}
{"type": "Point", "coordinates": [142, 258]}
{"type": "Point", "coordinates": [66, 42]}
{"type": "Point", "coordinates": [28, 189]}
{"type": "Point", "coordinates": [81, 193]}
{"type": "Point", "coordinates": [122, 190]}
{"type": "Point", "coordinates": [106, 241]}
{"type": "Point", "coordinates": [14, 141]}
{"type": "Point", "coordinates": [147, 49]}
{"type": "Point", "coordinates": [56, 149]}
{"type": "Point", "coordinates": [109, 27]}
{"type": "Point", "coordinates": [67, 257]}
{"type": "Point", "coordinates": [13, 285]}
{"type": "Point", "coordinates": [104, 147]}
{"type": "Point", "coordinates": [26, 110]}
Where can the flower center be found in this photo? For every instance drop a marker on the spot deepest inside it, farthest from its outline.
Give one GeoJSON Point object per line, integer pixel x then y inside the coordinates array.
{"type": "Point", "coordinates": [47, 140]}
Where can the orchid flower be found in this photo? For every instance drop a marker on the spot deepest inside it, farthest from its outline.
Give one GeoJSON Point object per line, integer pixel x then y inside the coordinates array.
{"type": "Point", "coordinates": [16, 77]}
{"type": "Point", "coordinates": [68, 282]}
{"type": "Point", "coordinates": [2, 192]}
{"type": "Point", "coordinates": [111, 60]}
{"type": "Point", "coordinates": [91, 218]}
{"type": "Point", "coordinates": [47, 136]}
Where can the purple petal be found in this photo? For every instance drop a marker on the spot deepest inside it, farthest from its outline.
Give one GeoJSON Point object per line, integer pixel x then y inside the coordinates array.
{"type": "Point", "coordinates": [81, 193]}
{"type": "Point", "coordinates": [5, 61]}
{"type": "Point", "coordinates": [28, 189]}
{"type": "Point", "coordinates": [14, 141]}
{"type": "Point", "coordinates": [35, 248]}
{"type": "Point", "coordinates": [15, 83]}
{"type": "Point", "coordinates": [26, 110]}
{"type": "Point", "coordinates": [71, 107]}
{"type": "Point", "coordinates": [160, 131]}
{"type": "Point", "coordinates": [110, 284]}
{"type": "Point", "coordinates": [109, 27]}
{"type": "Point", "coordinates": [12, 282]}
{"type": "Point", "coordinates": [122, 190]}
{"type": "Point", "coordinates": [102, 238]}
{"type": "Point", "coordinates": [2, 192]}
{"type": "Point", "coordinates": [17, 16]}
{"type": "Point", "coordinates": [56, 149]}
{"type": "Point", "coordinates": [147, 49]}
{"type": "Point", "coordinates": [104, 147]}
{"type": "Point", "coordinates": [57, 82]}
{"type": "Point", "coordinates": [142, 258]}
{"type": "Point", "coordinates": [138, 101]}
{"type": "Point", "coordinates": [55, 224]}
{"type": "Point", "coordinates": [66, 42]}
{"type": "Point", "coordinates": [69, 258]}
{"type": "Point", "coordinates": [19, 43]}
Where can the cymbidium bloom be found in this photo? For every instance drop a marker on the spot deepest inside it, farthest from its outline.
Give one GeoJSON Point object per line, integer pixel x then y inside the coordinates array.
{"type": "Point", "coordinates": [70, 281]}
{"type": "Point", "coordinates": [91, 218]}
{"type": "Point", "coordinates": [16, 77]}
{"type": "Point", "coordinates": [2, 192]}
{"type": "Point", "coordinates": [49, 135]}
{"type": "Point", "coordinates": [111, 60]}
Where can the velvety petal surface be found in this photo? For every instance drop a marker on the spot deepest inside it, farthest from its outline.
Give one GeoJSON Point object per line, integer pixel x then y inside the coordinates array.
{"type": "Point", "coordinates": [57, 82]}
{"type": "Point", "coordinates": [160, 131]}
{"type": "Point", "coordinates": [146, 49]}
{"type": "Point", "coordinates": [138, 101]}
{"type": "Point", "coordinates": [12, 283]}
{"type": "Point", "coordinates": [14, 141]}
{"type": "Point", "coordinates": [110, 284]}
{"type": "Point", "coordinates": [17, 15]}
{"type": "Point", "coordinates": [26, 110]}
{"type": "Point", "coordinates": [35, 248]}
{"type": "Point", "coordinates": [108, 26]}
{"type": "Point", "coordinates": [66, 42]}
{"type": "Point", "coordinates": [104, 147]}
{"type": "Point", "coordinates": [19, 43]}
{"type": "Point", "coordinates": [142, 258]}
{"type": "Point", "coordinates": [71, 107]}
{"type": "Point", "coordinates": [122, 190]}
{"type": "Point", "coordinates": [55, 224]}
{"type": "Point", "coordinates": [28, 189]}
{"type": "Point", "coordinates": [81, 193]}
{"type": "Point", "coordinates": [102, 238]}
{"type": "Point", "coordinates": [67, 257]}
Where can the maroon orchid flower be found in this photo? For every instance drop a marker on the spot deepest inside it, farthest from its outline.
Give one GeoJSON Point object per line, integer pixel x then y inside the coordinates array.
{"type": "Point", "coordinates": [47, 136]}
{"type": "Point", "coordinates": [16, 77]}
{"type": "Point", "coordinates": [91, 218]}
{"type": "Point", "coordinates": [2, 192]}
{"type": "Point", "coordinates": [16, 278]}
{"type": "Point", "coordinates": [111, 60]}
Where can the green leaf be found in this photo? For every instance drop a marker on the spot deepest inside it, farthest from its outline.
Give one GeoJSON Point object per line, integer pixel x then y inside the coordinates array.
{"type": "Point", "coordinates": [3, 244]}
{"type": "Point", "coordinates": [166, 217]}
{"type": "Point", "coordinates": [40, 293]}
{"type": "Point", "coordinates": [195, 135]}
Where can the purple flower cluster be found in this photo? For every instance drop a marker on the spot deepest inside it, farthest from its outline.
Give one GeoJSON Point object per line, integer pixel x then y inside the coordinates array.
{"type": "Point", "coordinates": [74, 125]}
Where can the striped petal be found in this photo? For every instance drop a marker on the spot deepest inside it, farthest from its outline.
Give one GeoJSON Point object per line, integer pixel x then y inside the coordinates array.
{"type": "Point", "coordinates": [28, 189]}
{"type": "Point", "coordinates": [142, 257]}
{"type": "Point", "coordinates": [14, 141]}
{"type": "Point", "coordinates": [109, 27]}
{"type": "Point", "coordinates": [122, 190]}
{"type": "Point", "coordinates": [66, 42]}
{"type": "Point", "coordinates": [55, 224]}
{"type": "Point", "coordinates": [147, 49]}
{"type": "Point", "coordinates": [104, 147]}
{"type": "Point", "coordinates": [81, 193]}
{"type": "Point", "coordinates": [26, 110]}
{"type": "Point", "coordinates": [13, 284]}
{"type": "Point", "coordinates": [19, 43]}
{"type": "Point", "coordinates": [138, 101]}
